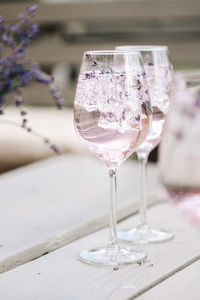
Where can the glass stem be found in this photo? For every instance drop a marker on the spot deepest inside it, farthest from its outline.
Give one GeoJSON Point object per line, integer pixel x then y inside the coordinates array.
{"type": "Point", "coordinates": [143, 200]}
{"type": "Point", "coordinates": [113, 210]}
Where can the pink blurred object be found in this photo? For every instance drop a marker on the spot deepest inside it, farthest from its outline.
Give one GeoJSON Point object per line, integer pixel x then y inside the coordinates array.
{"type": "Point", "coordinates": [180, 149]}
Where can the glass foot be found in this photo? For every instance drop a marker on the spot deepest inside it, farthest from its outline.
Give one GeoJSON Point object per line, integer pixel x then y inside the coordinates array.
{"type": "Point", "coordinates": [112, 256]}
{"type": "Point", "coordinates": [144, 235]}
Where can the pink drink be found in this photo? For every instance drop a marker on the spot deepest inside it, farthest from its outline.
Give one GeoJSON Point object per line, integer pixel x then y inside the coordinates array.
{"type": "Point", "coordinates": [110, 145]}
{"type": "Point", "coordinates": [109, 116]}
{"type": "Point", "coordinates": [160, 81]}
{"type": "Point", "coordinates": [155, 134]}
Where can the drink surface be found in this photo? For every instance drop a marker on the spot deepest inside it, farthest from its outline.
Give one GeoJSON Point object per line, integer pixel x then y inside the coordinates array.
{"type": "Point", "coordinates": [111, 115]}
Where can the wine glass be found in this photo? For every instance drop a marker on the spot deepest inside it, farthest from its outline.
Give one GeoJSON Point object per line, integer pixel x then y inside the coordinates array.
{"type": "Point", "coordinates": [159, 75]}
{"type": "Point", "coordinates": [179, 155]}
{"type": "Point", "coordinates": [112, 116]}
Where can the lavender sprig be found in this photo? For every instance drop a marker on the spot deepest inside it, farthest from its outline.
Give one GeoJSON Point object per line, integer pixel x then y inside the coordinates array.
{"type": "Point", "coordinates": [15, 72]}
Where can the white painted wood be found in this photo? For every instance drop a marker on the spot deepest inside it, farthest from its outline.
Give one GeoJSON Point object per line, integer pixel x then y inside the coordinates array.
{"type": "Point", "coordinates": [60, 275]}
{"type": "Point", "coordinates": [139, 14]}
{"type": "Point", "coordinates": [48, 204]}
{"type": "Point", "coordinates": [183, 285]}
{"type": "Point", "coordinates": [19, 147]}
{"type": "Point", "coordinates": [74, 52]}
{"type": "Point", "coordinates": [107, 10]}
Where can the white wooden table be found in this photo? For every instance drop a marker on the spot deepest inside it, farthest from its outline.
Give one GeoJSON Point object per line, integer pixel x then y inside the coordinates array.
{"type": "Point", "coordinates": [61, 204]}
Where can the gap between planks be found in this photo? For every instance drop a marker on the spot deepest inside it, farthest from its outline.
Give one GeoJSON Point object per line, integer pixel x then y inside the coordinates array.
{"type": "Point", "coordinates": [34, 217]}
{"type": "Point", "coordinates": [165, 277]}
{"type": "Point", "coordinates": [58, 241]}
{"type": "Point", "coordinates": [59, 275]}
{"type": "Point", "coordinates": [182, 285]}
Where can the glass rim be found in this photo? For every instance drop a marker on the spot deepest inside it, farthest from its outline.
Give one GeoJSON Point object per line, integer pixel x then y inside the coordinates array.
{"type": "Point", "coordinates": [142, 47]}
{"type": "Point", "coordinates": [109, 52]}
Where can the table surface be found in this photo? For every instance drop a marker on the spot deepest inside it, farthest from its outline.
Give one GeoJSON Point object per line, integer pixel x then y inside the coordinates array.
{"type": "Point", "coordinates": [53, 209]}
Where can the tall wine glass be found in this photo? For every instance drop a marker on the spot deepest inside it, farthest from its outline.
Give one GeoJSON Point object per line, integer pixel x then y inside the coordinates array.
{"type": "Point", "coordinates": [179, 155]}
{"type": "Point", "coordinates": [112, 116]}
{"type": "Point", "coordinates": [159, 75]}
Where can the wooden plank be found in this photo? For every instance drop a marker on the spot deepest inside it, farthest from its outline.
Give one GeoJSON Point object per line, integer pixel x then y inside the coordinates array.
{"type": "Point", "coordinates": [177, 21]}
{"type": "Point", "coordinates": [19, 147]}
{"type": "Point", "coordinates": [106, 10]}
{"type": "Point", "coordinates": [182, 285]}
{"type": "Point", "coordinates": [60, 275]}
{"type": "Point", "coordinates": [51, 203]}
{"type": "Point", "coordinates": [72, 52]}
{"type": "Point", "coordinates": [38, 95]}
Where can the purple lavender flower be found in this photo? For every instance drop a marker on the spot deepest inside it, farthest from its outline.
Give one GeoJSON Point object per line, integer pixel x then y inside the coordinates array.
{"type": "Point", "coordinates": [33, 30]}
{"type": "Point", "coordinates": [57, 96]}
{"type": "Point", "coordinates": [139, 85]}
{"type": "Point", "coordinates": [178, 134]}
{"type": "Point", "coordinates": [59, 104]}
{"type": "Point", "coordinates": [94, 63]}
{"type": "Point", "coordinates": [197, 100]}
{"type": "Point", "coordinates": [89, 75]}
{"type": "Point", "coordinates": [89, 57]}
{"type": "Point", "coordinates": [137, 118]}
{"type": "Point", "coordinates": [54, 90]}
{"type": "Point", "coordinates": [46, 140]}
{"type": "Point", "coordinates": [147, 107]}
{"type": "Point", "coordinates": [6, 39]}
{"type": "Point", "coordinates": [19, 102]}
{"type": "Point", "coordinates": [1, 102]}
{"type": "Point", "coordinates": [23, 17]}
{"type": "Point", "coordinates": [16, 73]}
{"type": "Point", "coordinates": [31, 9]}
{"type": "Point", "coordinates": [1, 24]}
{"type": "Point", "coordinates": [16, 29]}
{"type": "Point", "coordinates": [102, 71]}
{"type": "Point", "coordinates": [55, 148]}
{"type": "Point", "coordinates": [23, 113]}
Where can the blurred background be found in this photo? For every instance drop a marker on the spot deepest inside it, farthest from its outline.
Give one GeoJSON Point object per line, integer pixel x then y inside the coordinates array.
{"type": "Point", "coordinates": [67, 28]}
